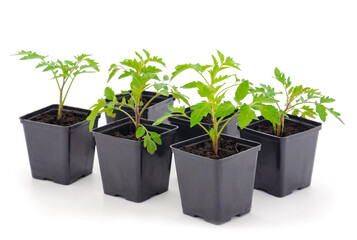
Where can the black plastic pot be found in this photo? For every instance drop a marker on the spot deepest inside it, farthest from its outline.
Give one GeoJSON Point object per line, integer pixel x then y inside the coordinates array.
{"type": "Point", "coordinates": [186, 132]}
{"type": "Point", "coordinates": [285, 163]}
{"type": "Point", "coordinates": [152, 112]}
{"type": "Point", "coordinates": [57, 153]}
{"type": "Point", "coordinates": [127, 169]}
{"type": "Point", "coordinates": [216, 190]}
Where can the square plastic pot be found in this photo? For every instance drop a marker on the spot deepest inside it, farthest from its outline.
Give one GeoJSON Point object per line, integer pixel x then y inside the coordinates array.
{"type": "Point", "coordinates": [127, 169]}
{"type": "Point", "coordinates": [216, 190]}
{"type": "Point", "coordinates": [62, 154]}
{"type": "Point", "coordinates": [284, 164]}
{"type": "Point", "coordinates": [186, 132]}
{"type": "Point", "coordinates": [152, 112]}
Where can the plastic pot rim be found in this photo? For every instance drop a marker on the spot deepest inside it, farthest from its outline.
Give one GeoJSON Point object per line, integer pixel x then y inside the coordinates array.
{"type": "Point", "coordinates": [27, 117]}
{"type": "Point", "coordinates": [253, 146]}
{"type": "Point", "coordinates": [315, 126]}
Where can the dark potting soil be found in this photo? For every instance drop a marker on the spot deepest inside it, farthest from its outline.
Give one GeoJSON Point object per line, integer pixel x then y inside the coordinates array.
{"type": "Point", "coordinates": [226, 148]}
{"type": "Point", "coordinates": [290, 128]}
{"type": "Point", "coordinates": [130, 135]}
{"type": "Point", "coordinates": [68, 118]}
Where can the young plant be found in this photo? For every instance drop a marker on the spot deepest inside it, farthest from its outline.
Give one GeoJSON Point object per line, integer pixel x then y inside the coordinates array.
{"type": "Point", "coordinates": [300, 101]}
{"type": "Point", "coordinates": [213, 89]}
{"type": "Point", "coordinates": [143, 76]}
{"type": "Point", "coordinates": [63, 71]}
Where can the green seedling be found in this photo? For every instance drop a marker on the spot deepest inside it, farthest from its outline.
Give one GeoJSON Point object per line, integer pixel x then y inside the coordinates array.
{"type": "Point", "coordinates": [300, 101]}
{"type": "Point", "coordinates": [213, 89]}
{"type": "Point", "coordinates": [143, 75]}
{"type": "Point", "coordinates": [63, 71]}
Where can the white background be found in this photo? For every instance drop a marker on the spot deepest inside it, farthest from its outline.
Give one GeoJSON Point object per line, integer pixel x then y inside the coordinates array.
{"type": "Point", "coordinates": [314, 42]}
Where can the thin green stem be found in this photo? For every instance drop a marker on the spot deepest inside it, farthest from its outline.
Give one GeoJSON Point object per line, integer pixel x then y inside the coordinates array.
{"type": "Point", "coordinates": [147, 104]}
{"type": "Point", "coordinates": [119, 108]}
{"type": "Point", "coordinates": [199, 124]}
{"type": "Point", "coordinates": [225, 124]}
{"type": "Point", "coordinates": [65, 96]}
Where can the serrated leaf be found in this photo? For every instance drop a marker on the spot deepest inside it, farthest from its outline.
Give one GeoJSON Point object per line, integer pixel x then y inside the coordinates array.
{"type": "Point", "coordinates": [242, 91]}
{"type": "Point", "coordinates": [225, 109]}
{"type": "Point", "coordinates": [262, 98]}
{"type": "Point", "coordinates": [221, 56]}
{"type": "Point", "coordinates": [326, 100]}
{"type": "Point", "coordinates": [156, 137]}
{"type": "Point", "coordinates": [335, 114]}
{"type": "Point", "coordinates": [246, 115]}
{"type": "Point", "coordinates": [158, 86]}
{"type": "Point", "coordinates": [270, 113]}
{"type": "Point", "coordinates": [109, 93]}
{"type": "Point", "coordinates": [200, 110]}
{"type": "Point", "coordinates": [41, 64]}
{"type": "Point", "coordinates": [321, 110]}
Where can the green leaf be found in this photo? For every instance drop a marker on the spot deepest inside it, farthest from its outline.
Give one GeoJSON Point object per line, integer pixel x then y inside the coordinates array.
{"type": "Point", "coordinates": [140, 132]}
{"type": "Point", "coordinates": [200, 110]}
{"type": "Point", "coordinates": [109, 93]}
{"type": "Point", "coordinates": [246, 115]}
{"type": "Point", "coordinates": [149, 144]}
{"type": "Point", "coordinates": [242, 91]}
{"type": "Point", "coordinates": [158, 86]}
{"type": "Point", "coordinates": [262, 98]}
{"type": "Point", "coordinates": [224, 109]}
{"type": "Point", "coordinates": [308, 111]}
{"type": "Point", "coordinates": [27, 55]}
{"type": "Point", "coordinates": [221, 56]}
{"type": "Point", "coordinates": [321, 110]}
{"type": "Point", "coordinates": [326, 100]}
{"type": "Point", "coordinates": [335, 114]}
{"type": "Point", "coordinates": [156, 137]}
{"type": "Point", "coordinates": [193, 84]}
{"type": "Point", "coordinates": [146, 53]}
{"type": "Point", "coordinates": [112, 73]}
{"type": "Point", "coordinates": [92, 117]}
{"type": "Point", "coordinates": [270, 113]}
{"type": "Point", "coordinates": [281, 112]}
{"type": "Point", "coordinates": [41, 64]}
{"type": "Point", "coordinates": [176, 109]}
{"type": "Point", "coordinates": [162, 118]}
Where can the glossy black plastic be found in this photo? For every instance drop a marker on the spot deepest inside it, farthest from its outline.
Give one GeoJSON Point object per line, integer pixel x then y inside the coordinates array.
{"type": "Point", "coordinates": [152, 112]}
{"type": "Point", "coordinates": [57, 153]}
{"type": "Point", "coordinates": [216, 190]}
{"type": "Point", "coordinates": [127, 169]}
{"type": "Point", "coordinates": [186, 132]}
{"type": "Point", "coordinates": [284, 164]}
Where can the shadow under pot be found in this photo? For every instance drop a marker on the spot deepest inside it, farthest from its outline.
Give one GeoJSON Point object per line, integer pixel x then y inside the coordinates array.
{"type": "Point", "coordinates": [285, 163]}
{"type": "Point", "coordinates": [59, 150]}
{"type": "Point", "coordinates": [127, 169]}
{"type": "Point", "coordinates": [156, 108]}
{"type": "Point", "coordinates": [186, 132]}
{"type": "Point", "coordinates": [216, 189]}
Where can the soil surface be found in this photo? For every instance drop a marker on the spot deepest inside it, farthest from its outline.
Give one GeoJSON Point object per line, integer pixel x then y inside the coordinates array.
{"type": "Point", "coordinates": [130, 135]}
{"type": "Point", "coordinates": [68, 118]}
{"type": "Point", "coordinates": [290, 128]}
{"type": "Point", "coordinates": [226, 148]}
